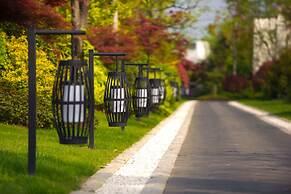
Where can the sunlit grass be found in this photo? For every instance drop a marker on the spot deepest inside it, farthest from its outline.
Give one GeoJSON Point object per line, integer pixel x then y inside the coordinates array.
{"type": "Point", "coordinates": [277, 107]}
{"type": "Point", "coordinates": [62, 168]}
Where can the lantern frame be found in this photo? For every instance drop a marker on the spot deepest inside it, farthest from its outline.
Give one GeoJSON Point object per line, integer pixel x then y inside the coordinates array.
{"type": "Point", "coordinates": [141, 92]}
{"type": "Point", "coordinates": [117, 97]}
{"type": "Point", "coordinates": [162, 91]}
{"type": "Point", "coordinates": [175, 89]}
{"type": "Point", "coordinates": [72, 102]}
{"type": "Point", "coordinates": [155, 89]}
{"type": "Point", "coordinates": [162, 87]}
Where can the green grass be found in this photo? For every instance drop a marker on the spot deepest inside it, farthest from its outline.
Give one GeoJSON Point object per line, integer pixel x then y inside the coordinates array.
{"type": "Point", "coordinates": [62, 168]}
{"type": "Point", "coordinates": [217, 97]}
{"type": "Point", "coordinates": [277, 107]}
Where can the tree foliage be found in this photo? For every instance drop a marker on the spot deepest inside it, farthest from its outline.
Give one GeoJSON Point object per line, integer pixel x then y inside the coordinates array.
{"type": "Point", "coordinates": [150, 31]}
{"type": "Point", "coordinates": [26, 12]}
{"type": "Point", "coordinates": [14, 86]}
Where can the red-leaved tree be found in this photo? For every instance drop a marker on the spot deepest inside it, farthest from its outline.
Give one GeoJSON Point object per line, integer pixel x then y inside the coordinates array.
{"type": "Point", "coordinates": [149, 33]}
{"type": "Point", "coordinates": [104, 39]}
{"type": "Point", "coordinates": [25, 12]}
{"type": "Point", "coordinates": [183, 74]}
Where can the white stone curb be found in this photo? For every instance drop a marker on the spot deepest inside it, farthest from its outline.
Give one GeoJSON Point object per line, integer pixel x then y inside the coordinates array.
{"type": "Point", "coordinates": [159, 178]}
{"type": "Point", "coordinates": [131, 170]}
{"type": "Point", "coordinates": [282, 124]}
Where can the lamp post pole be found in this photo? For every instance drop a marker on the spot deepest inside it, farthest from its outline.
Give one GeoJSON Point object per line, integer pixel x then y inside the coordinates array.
{"type": "Point", "coordinates": [91, 72]}
{"type": "Point", "coordinates": [32, 32]}
{"type": "Point", "coordinates": [31, 101]}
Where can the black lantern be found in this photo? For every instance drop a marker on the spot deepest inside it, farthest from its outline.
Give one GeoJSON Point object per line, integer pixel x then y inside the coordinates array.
{"type": "Point", "coordinates": [117, 96]}
{"type": "Point", "coordinates": [71, 102]}
{"type": "Point", "coordinates": [141, 92]}
{"type": "Point", "coordinates": [155, 89]}
{"type": "Point", "coordinates": [162, 88]}
{"type": "Point", "coordinates": [162, 91]}
{"type": "Point", "coordinates": [141, 98]}
{"type": "Point", "coordinates": [175, 90]}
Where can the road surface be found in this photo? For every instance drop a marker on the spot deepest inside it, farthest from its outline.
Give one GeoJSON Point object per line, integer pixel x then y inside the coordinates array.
{"type": "Point", "coordinates": [229, 151]}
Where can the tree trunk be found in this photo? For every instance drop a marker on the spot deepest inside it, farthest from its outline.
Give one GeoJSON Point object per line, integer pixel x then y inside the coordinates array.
{"type": "Point", "coordinates": [79, 9]}
{"type": "Point", "coordinates": [115, 21]}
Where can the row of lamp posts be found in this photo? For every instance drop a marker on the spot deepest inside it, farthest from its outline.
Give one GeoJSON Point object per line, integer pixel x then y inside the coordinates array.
{"type": "Point", "coordinates": [73, 95]}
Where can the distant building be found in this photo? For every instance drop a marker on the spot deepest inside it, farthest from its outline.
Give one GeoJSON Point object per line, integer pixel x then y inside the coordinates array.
{"type": "Point", "coordinates": [199, 53]}
{"type": "Point", "coordinates": [271, 35]}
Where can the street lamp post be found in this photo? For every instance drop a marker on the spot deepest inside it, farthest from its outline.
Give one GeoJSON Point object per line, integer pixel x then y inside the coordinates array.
{"type": "Point", "coordinates": [116, 96]}
{"type": "Point", "coordinates": [32, 32]}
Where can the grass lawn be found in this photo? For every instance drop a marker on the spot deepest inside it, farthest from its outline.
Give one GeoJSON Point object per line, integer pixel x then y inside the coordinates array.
{"type": "Point", "coordinates": [62, 168]}
{"type": "Point", "coordinates": [277, 107]}
{"type": "Point", "coordinates": [217, 97]}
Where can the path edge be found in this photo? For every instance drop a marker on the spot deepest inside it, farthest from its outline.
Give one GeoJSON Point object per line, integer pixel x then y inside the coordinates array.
{"type": "Point", "coordinates": [158, 181]}
{"type": "Point", "coordinates": [96, 181]}
{"type": "Point", "coordinates": [282, 124]}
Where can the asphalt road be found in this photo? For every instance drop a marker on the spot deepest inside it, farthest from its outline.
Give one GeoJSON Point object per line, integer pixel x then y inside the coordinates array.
{"type": "Point", "coordinates": [229, 151]}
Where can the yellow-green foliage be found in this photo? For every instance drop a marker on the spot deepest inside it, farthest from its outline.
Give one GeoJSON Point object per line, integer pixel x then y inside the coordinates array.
{"type": "Point", "coordinates": [99, 81]}
{"type": "Point", "coordinates": [100, 74]}
{"type": "Point", "coordinates": [14, 83]}
{"type": "Point", "coordinates": [14, 79]}
{"type": "Point", "coordinates": [101, 12]}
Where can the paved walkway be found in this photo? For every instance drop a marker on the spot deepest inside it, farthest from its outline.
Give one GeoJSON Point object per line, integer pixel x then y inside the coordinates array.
{"type": "Point", "coordinates": [132, 171]}
{"type": "Point", "coordinates": [230, 151]}
{"type": "Point", "coordinates": [204, 147]}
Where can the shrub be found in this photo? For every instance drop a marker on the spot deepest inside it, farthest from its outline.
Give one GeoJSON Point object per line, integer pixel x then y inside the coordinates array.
{"type": "Point", "coordinates": [100, 77]}
{"type": "Point", "coordinates": [14, 85]}
{"type": "Point", "coordinates": [260, 77]}
{"type": "Point", "coordinates": [278, 81]}
{"type": "Point", "coordinates": [235, 83]}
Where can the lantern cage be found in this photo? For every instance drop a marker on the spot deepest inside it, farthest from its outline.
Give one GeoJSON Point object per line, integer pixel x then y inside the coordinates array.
{"type": "Point", "coordinates": [162, 91]}
{"type": "Point", "coordinates": [117, 99]}
{"type": "Point", "coordinates": [141, 97]}
{"type": "Point", "coordinates": [71, 102]}
{"type": "Point", "coordinates": [140, 91]}
{"type": "Point", "coordinates": [155, 92]}
{"type": "Point", "coordinates": [175, 90]}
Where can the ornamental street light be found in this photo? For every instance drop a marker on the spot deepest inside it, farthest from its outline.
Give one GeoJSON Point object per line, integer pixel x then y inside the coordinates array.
{"type": "Point", "coordinates": [175, 90]}
{"type": "Point", "coordinates": [72, 101]}
{"type": "Point", "coordinates": [155, 96]}
{"type": "Point", "coordinates": [141, 92]}
{"type": "Point", "coordinates": [162, 89]}
{"type": "Point", "coordinates": [32, 32]}
{"type": "Point", "coordinates": [117, 96]}
{"type": "Point", "coordinates": [174, 86]}
{"type": "Point", "coordinates": [155, 86]}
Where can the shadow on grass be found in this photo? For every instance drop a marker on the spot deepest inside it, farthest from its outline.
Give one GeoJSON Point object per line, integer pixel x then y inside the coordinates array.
{"type": "Point", "coordinates": [53, 175]}
{"type": "Point", "coordinates": [286, 114]}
